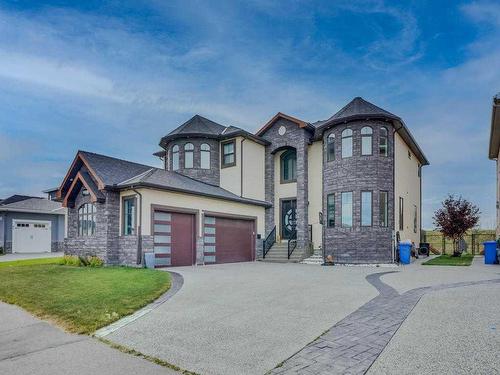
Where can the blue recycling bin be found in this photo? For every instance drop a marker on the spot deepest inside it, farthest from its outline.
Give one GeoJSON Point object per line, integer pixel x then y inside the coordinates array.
{"type": "Point", "coordinates": [404, 252]}
{"type": "Point", "coordinates": [490, 252]}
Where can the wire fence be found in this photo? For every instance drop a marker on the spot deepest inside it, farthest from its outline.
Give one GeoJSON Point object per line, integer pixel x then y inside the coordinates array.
{"type": "Point", "coordinates": [474, 240]}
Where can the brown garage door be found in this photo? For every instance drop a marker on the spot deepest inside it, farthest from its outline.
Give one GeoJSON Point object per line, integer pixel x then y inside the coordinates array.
{"type": "Point", "coordinates": [174, 239]}
{"type": "Point", "coordinates": [228, 240]}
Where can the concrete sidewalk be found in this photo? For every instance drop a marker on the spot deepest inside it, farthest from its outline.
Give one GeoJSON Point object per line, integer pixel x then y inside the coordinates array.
{"type": "Point", "coordinates": [32, 346]}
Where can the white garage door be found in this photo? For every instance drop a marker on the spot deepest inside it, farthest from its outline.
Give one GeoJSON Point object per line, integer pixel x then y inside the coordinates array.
{"type": "Point", "coordinates": [31, 236]}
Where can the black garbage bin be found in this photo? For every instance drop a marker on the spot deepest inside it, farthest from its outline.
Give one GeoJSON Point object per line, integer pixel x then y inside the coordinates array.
{"type": "Point", "coordinates": [424, 248]}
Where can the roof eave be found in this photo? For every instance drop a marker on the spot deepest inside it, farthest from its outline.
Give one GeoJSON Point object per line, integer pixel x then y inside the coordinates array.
{"type": "Point", "coordinates": [495, 129]}
{"type": "Point", "coordinates": [161, 187]}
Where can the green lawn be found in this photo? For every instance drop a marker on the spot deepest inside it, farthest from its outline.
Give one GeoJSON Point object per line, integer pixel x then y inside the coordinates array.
{"type": "Point", "coordinates": [448, 260]}
{"type": "Point", "coordinates": [30, 262]}
{"type": "Point", "coordinates": [81, 299]}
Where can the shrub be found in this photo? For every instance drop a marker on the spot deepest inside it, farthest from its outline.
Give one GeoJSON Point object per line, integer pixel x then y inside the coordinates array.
{"type": "Point", "coordinates": [1, 250]}
{"type": "Point", "coordinates": [82, 261]}
{"type": "Point", "coordinates": [94, 261]}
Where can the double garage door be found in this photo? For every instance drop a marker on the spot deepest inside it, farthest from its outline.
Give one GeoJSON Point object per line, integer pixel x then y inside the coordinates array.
{"type": "Point", "coordinates": [225, 240]}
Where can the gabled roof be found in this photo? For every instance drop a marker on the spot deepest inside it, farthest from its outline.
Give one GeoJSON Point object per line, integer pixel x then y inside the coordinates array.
{"type": "Point", "coordinates": [300, 123]}
{"type": "Point", "coordinates": [199, 126]}
{"type": "Point", "coordinates": [119, 174]}
{"type": "Point", "coordinates": [495, 128]}
{"type": "Point", "coordinates": [33, 205]}
{"type": "Point", "coordinates": [112, 171]}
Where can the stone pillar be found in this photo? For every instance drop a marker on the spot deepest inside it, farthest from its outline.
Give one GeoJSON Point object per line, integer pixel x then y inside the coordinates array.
{"type": "Point", "coordinates": [269, 186]}
{"type": "Point", "coordinates": [302, 198]}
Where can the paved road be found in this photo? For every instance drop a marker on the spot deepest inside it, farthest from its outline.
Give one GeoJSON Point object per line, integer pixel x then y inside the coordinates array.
{"type": "Point", "coordinates": [10, 257]}
{"type": "Point", "coordinates": [30, 346]}
{"type": "Point", "coordinates": [246, 318]}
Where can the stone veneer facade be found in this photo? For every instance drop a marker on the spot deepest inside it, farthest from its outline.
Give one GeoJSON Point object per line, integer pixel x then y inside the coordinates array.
{"type": "Point", "coordinates": [297, 139]}
{"type": "Point", "coordinates": [210, 176]}
{"type": "Point", "coordinates": [106, 243]}
{"type": "Point", "coordinates": [375, 173]}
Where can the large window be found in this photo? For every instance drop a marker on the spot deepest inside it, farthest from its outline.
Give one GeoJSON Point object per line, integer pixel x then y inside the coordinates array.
{"type": "Point", "coordinates": [347, 209]}
{"type": "Point", "coordinates": [383, 201]}
{"type": "Point", "coordinates": [188, 155]}
{"type": "Point", "coordinates": [86, 219]}
{"type": "Point", "coordinates": [347, 143]}
{"type": "Point", "coordinates": [330, 209]}
{"type": "Point", "coordinates": [289, 166]}
{"type": "Point", "coordinates": [129, 216]}
{"type": "Point", "coordinates": [228, 154]}
{"type": "Point", "coordinates": [366, 208]}
{"type": "Point", "coordinates": [205, 156]}
{"type": "Point", "coordinates": [366, 140]}
{"type": "Point", "coordinates": [175, 157]}
{"type": "Point", "coordinates": [330, 147]}
{"type": "Point", "coordinates": [401, 213]}
{"type": "Point", "coordinates": [383, 145]}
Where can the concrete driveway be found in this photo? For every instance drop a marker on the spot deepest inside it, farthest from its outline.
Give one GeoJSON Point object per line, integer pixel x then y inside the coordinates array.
{"type": "Point", "coordinates": [245, 318]}
{"type": "Point", "coordinates": [21, 256]}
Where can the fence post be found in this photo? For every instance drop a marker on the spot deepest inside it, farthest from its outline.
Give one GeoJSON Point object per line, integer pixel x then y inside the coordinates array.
{"type": "Point", "coordinates": [444, 246]}
{"type": "Point", "coordinates": [473, 244]}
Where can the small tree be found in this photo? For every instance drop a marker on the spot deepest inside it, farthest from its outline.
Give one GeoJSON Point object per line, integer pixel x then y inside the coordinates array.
{"type": "Point", "coordinates": [454, 218]}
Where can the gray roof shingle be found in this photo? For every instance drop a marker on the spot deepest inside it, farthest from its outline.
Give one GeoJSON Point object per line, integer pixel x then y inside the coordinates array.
{"type": "Point", "coordinates": [120, 173]}
{"type": "Point", "coordinates": [36, 205]}
{"type": "Point", "coordinates": [111, 170]}
{"type": "Point", "coordinates": [174, 181]}
{"type": "Point", "coordinates": [203, 127]}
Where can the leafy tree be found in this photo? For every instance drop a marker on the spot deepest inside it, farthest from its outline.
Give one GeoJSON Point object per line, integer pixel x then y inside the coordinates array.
{"type": "Point", "coordinates": [454, 218]}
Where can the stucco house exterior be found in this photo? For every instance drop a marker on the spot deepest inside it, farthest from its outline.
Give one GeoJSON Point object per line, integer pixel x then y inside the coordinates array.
{"type": "Point", "coordinates": [494, 150]}
{"type": "Point", "coordinates": [348, 187]}
{"type": "Point", "coordinates": [31, 225]}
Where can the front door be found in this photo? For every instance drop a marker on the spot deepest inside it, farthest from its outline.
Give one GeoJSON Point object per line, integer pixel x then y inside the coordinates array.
{"type": "Point", "coordinates": [288, 218]}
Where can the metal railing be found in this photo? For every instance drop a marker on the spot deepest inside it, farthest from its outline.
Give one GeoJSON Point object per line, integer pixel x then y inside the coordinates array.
{"type": "Point", "coordinates": [292, 242]}
{"type": "Point", "coordinates": [269, 242]}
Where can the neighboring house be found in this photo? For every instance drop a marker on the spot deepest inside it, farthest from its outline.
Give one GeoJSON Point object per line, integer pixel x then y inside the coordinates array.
{"type": "Point", "coordinates": [31, 225]}
{"type": "Point", "coordinates": [494, 151]}
{"type": "Point", "coordinates": [347, 186]}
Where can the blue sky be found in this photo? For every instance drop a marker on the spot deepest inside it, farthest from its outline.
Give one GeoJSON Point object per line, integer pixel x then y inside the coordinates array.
{"type": "Point", "coordinates": [114, 78]}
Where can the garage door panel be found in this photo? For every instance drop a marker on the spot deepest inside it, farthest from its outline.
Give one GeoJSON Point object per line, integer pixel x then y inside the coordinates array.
{"type": "Point", "coordinates": [31, 236]}
{"type": "Point", "coordinates": [174, 243]}
{"type": "Point", "coordinates": [228, 240]}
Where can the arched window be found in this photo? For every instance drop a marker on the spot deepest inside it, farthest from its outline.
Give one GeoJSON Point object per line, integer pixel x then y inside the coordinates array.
{"type": "Point", "coordinates": [383, 144]}
{"type": "Point", "coordinates": [86, 219]}
{"type": "Point", "coordinates": [175, 158]}
{"type": "Point", "coordinates": [205, 156]}
{"type": "Point", "coordinates": [346, 143]}
{"type": "Point", "coordinates": [289, 166]}
{"type": "Point", "coordinates": [366, 140]}
{"type": "Point", "coordinates": [188, 155]}
{"type": "Point", "coordinates": [330, 147]}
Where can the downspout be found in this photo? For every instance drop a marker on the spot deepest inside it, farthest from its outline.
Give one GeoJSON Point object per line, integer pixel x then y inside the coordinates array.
{"type": "Point", "coordinates": [241, 169]}
{"type": "Point", "coordinates": [396, 130]}
{"type": "Point", "coordinates": [139, 228]}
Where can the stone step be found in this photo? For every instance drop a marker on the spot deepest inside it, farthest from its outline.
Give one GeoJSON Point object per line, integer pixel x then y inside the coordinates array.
{"type": "Point", "coordinates": [280, 260]}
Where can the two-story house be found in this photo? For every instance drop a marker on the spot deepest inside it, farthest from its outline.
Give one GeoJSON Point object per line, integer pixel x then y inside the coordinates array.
{"type": "Point", "coordinates": [348, 186]}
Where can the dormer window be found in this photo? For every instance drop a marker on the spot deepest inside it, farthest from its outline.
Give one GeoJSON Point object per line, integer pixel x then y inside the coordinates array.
{"type": "Point", "coordinates": [205, 156]}
{"type": "Point", "coordinates": [175, 158]}
{"type": "Point", "coordinates": [228, 154]}
{"type": "Point", "coordinates": [188, 155]}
